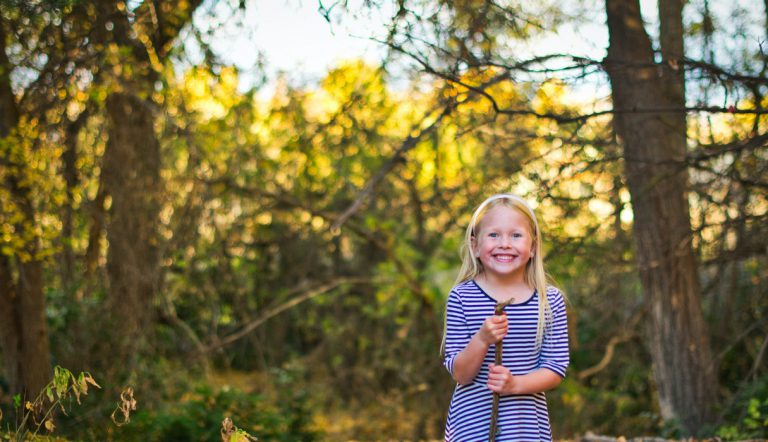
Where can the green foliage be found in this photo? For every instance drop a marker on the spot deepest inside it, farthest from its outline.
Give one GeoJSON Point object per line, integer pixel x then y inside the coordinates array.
{"type": "Point", "coordinates": [38, 415]}
{"type": "Point", "coordinates": [197, 416]}
{"type": "Point", "coordinates": [747, 415]}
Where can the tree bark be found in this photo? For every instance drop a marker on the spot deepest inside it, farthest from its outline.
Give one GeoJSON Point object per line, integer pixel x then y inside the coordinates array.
{"type": "Point", "coordinates": [9, 328]}
{"type": "Point", "coordinates": [132, 178]}
{"type": "Point", "coordinates": [24, 333]}
{"type": "Point", "coordinates": [71, 178]}
{"type": "Point", "coordinates": [654, 150]}
{"type": "Point", "coordinates": [131, 169]}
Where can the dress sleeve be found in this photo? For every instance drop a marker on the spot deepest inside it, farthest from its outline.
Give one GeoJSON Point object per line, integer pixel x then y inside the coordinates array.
{"type": "Point", "coordinates": [554, 350]}
{"type": "Point", "coordinates": [457, 335]}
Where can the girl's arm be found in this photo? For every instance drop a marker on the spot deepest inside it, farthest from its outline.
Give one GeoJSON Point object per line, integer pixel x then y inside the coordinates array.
{"type": "Point", "coordinates": [469, 361]}
{"type": "Point", "coordinates": [501, 381]}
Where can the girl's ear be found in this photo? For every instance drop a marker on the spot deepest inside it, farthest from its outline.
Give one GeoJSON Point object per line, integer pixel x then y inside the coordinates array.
{"type": "Point", "coordinates": [473, 246]}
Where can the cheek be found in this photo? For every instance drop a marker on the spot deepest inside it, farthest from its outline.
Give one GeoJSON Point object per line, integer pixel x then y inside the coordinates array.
{"type": "Point", "coordinates": [479, 250]}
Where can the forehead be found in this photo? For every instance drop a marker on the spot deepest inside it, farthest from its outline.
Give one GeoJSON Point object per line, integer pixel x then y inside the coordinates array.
{"type": "Point", "coordinates": [502, 216]}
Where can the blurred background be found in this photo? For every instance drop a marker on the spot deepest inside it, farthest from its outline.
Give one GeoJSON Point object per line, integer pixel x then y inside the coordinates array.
{"type": "Point", "coordinates": [253, 209]}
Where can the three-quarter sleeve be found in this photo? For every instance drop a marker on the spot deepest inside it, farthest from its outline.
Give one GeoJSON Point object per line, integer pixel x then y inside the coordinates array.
{"type": "Point", "coordinates": [554, 349]}
{"type": "Point", "coordinates": [457, 335]}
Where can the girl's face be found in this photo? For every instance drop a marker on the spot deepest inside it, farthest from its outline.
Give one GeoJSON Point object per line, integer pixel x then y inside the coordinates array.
{"type": "Point", "coordinates": [504, 243]}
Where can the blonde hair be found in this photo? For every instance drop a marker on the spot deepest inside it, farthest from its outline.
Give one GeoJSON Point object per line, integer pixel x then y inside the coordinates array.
{"type": "Point", "coordinates": [535, 275]}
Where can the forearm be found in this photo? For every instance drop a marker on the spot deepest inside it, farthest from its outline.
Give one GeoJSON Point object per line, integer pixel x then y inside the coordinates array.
{"type": "Point", "coordinates": [537, 381]}
{"type": "Point", "coordinates": [469, 361]}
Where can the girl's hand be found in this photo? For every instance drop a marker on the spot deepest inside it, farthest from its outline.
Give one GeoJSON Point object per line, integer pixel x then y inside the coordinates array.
{"type": "Point", "coordinates": [500, 380]}
{"type": "Point", "coordinates": [494, 329]}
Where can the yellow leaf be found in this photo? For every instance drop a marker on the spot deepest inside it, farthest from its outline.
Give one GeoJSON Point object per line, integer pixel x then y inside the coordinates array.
{"type": "Point", "coordinates": [29, 406]}
{"type": "Point", "coordinates": [49, 425]}
{"type": "Point", "coordinates": [90, 380]}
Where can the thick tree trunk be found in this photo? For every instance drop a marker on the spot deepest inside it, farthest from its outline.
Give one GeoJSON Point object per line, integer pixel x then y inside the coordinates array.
{"type": "Point", "coordinates": [131, 175]}
{"type": "Point", "coordinates": [649, 102]}
{"type": "Point", "coordinates": [23, 334]}
{"type": "Point", "coordinates": [131, 169]}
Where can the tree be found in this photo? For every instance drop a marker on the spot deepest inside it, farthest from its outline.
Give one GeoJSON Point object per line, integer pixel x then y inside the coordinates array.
{"type": "Point", "coordinates": [23, 332]}
{"type": "Point", "coordinates": [131, 169]}
{"type": "Point", "coordinates": [650, 119]}
{"type": "Point", "coordinates": [64, 51]}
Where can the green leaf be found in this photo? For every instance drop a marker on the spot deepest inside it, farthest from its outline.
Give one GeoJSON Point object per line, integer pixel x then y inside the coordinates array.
{"type": "Point", "coordinates": [61, 380]}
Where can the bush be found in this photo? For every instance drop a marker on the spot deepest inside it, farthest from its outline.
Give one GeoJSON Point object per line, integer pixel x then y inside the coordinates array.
{"type": "Point", "coordinates": [747, 415]}
{"type": "Point", "coordinates": [198, 417]}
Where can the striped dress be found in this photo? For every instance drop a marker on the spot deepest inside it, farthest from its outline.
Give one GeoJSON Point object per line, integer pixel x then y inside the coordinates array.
{"type": "Point", "coordinates": [521, 417]}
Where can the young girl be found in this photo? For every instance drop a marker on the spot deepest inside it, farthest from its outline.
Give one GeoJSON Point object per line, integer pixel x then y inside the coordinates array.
{"type": "Point", "coordinates": [502, 260]}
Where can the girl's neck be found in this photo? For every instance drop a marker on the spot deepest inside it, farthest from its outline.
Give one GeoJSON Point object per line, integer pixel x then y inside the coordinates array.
{"type": "Point", "coordinates": [501, 290]}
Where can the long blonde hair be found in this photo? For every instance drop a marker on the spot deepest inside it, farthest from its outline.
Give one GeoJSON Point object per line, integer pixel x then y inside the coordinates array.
{"type": "Point", "coordinates": [535, 275]}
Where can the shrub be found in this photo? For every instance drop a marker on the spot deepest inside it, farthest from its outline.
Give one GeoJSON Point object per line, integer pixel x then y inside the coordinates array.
{"type": "Point", "coordinates": [198, 417]}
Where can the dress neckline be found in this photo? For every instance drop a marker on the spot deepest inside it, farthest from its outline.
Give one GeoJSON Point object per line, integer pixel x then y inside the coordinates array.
{"type": "Point", "coordinates": [482, 290]}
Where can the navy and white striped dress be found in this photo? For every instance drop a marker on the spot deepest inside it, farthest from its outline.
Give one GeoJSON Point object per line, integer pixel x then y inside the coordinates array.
{"type": "Point", "coordinates": [521, 417]}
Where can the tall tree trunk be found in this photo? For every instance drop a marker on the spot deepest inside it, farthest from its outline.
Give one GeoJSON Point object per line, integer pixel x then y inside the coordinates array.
{"type": "Point", "coordinates": [131, 169]}
{"type": "Point", "coordinates": [71, 178]}
{"type": "Point", "coordinates": [23, 334]}
{"type": "Point", "coordinates": [132, 178]}
{"type": "Point", "coordinates": [649, 118]}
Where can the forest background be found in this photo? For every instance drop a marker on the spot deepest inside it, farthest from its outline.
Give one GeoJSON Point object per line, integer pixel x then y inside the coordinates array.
{"type": "Point", "coordinates": [204, 247]}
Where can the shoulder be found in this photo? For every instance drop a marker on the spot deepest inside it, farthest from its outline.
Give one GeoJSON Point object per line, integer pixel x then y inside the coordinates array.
{"type": "Point", "coordinates": [464, 288]}
{"type": "Point", "coordinates": [467, 294]}
{"type": "Point", "coordinates": [555, 297]}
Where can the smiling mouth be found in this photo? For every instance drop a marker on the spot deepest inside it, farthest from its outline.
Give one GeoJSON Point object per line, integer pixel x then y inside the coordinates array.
{"type": "Point", "coordinates": [504, 258]}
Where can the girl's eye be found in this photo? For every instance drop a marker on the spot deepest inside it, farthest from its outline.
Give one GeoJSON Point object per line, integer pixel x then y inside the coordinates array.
{"type": "Point", "coordinates": [493, 235]}
{"type": "Point", "coordinates": [518, 235]}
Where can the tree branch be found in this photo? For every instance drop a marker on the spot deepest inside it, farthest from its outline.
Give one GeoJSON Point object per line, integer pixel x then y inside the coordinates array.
{"type": "Point", "coordinates": [409, 143]}
{"type": "Point", "coordinates": [708, 152]}
{"type": "Point", "coordinates": [274, 311]}
{"type": "Point", "coordinates": [610, 348]}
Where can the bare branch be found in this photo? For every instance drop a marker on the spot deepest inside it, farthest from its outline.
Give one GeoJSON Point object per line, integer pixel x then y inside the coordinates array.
{"type": "Point", "coordinates": [708, 152]}
{"type": "Point", "coordinates": [722, 74]}
{"type": "Point", "coordinates": [611, 346]}
{"type": "Point", "coordinates": [307, 295]}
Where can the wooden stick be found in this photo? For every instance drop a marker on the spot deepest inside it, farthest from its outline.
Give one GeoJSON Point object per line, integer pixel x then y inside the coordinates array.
{"type": "Point", "coordinates": [499, 348]}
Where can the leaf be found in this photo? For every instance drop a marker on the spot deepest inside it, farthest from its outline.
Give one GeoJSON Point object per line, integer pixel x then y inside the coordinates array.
{"type": "Point", "coordinates": [61, 380]}
{"type": "Point", "coordinates": [49, 392]}
{"type": "Point", "coordinates": [83, 385]}
{"type": "Point", "coordinates": [49, 425]}
{"type": "Point", "coordinates": [125, 406]}
{"type": "Point", "coordinates": [89, 379]}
